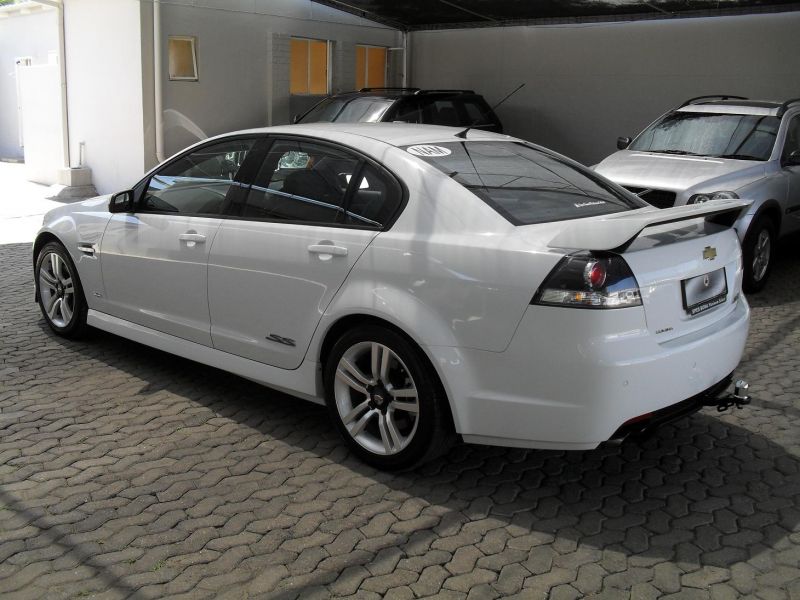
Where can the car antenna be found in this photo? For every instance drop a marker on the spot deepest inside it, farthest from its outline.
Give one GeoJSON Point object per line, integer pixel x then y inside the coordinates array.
{"type": "Point", "coordinates": [463, 134]}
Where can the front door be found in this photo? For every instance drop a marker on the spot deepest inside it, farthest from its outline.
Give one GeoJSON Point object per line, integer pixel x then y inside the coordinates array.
{"type": "Point", "coordinates": [792, 172]}
{"type": "Point", "coordinates": [155, 261]}
{"type": "Point", "coordinates": [276, 264]}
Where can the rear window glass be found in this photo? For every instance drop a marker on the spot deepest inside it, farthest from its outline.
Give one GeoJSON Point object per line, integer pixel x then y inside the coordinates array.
{"type": "Point", "coordinates": [524, 184]}
{"type": "Point", "coordinates": [367, 109]}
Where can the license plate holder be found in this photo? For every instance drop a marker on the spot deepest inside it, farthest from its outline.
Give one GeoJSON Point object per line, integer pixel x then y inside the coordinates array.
{"type": "Point", "coordinates": [704, 292]}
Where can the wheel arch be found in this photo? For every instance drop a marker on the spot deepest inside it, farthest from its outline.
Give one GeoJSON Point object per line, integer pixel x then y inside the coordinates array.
{"type": "Point", "coordinates": [344, 323]}
{"type": "Point", "coordinates": [769, 208]}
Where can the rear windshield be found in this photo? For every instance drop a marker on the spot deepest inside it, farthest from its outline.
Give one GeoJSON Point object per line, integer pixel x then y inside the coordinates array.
{"type": "Point", "coordinates": [743, 137]}
{"type": "Point", "coordinates": [364, 109]}
{"type": "Point", "coordinates": [524, 184]}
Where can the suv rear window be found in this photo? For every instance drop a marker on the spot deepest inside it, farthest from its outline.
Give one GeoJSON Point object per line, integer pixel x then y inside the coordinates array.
{"type": "Point", "coordinates": [364, 109]}
{"type": "Point", "coordinates": [524, 184]}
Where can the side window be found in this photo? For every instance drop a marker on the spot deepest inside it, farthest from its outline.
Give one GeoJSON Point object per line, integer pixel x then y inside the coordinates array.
{"type": "Point", "coordinates": [197, 183]}
{"type": "Point", "coordinates": [301, 182]}
{"type": "Point", "coordinates": [476, 113]}
{"type": "Point", "coordinates": [408, 110]}
{"type": "Point", "coordinates": [792, 143]}
{"type": "Point", "coordinates": [444, 112]}
{"type": "Point", "coordinates": [375, 199]}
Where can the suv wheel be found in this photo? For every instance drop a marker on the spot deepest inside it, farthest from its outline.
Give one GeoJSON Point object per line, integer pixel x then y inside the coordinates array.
{"type": "Point", "coordinates": [758, 251]}
{"type": "Point", "coordinates": [385, 400]}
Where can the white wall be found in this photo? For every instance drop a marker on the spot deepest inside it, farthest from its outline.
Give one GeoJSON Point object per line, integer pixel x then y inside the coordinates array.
{"type": "Point", "coordinates": [242, 54]}
{"type": "Point", "coordinates": [32, 32]}
{"type": "Point", "coordinates": [104, 89]}
{"type": "Point", "coordinates": [40, 93]}
{"type": "Point", "coordinates": [588, 84]}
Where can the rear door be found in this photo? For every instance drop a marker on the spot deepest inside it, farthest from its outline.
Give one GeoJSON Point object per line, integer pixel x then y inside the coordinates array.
{"type": "Point", "coordinates": [155, 260]}
{"type": "Point", "coordinates": [792, 173]}
{"type": "Point", "coordinates": [279, 259]}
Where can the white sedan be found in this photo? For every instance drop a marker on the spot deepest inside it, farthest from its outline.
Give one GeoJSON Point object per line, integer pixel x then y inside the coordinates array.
{"type": "Point", "coordinates": [424, 282]}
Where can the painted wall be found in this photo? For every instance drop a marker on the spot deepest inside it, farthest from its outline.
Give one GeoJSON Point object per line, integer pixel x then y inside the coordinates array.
{"type": "Point", "coordinates": [40, 93]}
{"type": "Point", "coordinates": [104, 85]}
{"type": "Point", "coordinates": [31, 34]}
{"type": "Point", "coordinates": [243, 62]}
{"type": "Point", "coordinates": [588, 84]}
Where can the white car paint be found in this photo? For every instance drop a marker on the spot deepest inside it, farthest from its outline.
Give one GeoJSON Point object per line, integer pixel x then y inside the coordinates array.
{"type": "Point", "coordinates": [451, 272]}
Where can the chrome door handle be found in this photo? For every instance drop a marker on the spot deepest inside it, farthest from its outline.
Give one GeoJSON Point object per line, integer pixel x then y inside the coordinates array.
{"type": "Point", "coordinates": [192, 237]}
{"type": "Point", "coordinates": [327, 249]}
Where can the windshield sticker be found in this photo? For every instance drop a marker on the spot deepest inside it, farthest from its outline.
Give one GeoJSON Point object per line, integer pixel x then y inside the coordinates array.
{"type": "Point", "coordinates": [582, 204]}
{"type": "Point", "coordinates": [428, 151]}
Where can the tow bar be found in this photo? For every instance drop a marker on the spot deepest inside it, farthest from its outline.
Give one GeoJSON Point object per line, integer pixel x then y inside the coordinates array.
{"type": "Point", "coordinates": [738, 398]}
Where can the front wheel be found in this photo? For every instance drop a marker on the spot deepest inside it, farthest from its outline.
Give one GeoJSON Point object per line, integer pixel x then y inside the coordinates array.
{"type": "Point", "coordinates": [385, 400]}
{"type": "Point", "coordinates": [61, 298]}
{"type": "Point", "coordinates": [758, 252]}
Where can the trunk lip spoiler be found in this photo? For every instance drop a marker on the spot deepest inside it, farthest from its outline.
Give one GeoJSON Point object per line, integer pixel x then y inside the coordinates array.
{"type": "Point", "coordinates": [615, 232]}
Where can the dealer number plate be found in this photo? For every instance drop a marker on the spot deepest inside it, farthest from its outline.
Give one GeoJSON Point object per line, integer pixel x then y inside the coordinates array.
{"type": "Point", "coordinates": [704, 292]}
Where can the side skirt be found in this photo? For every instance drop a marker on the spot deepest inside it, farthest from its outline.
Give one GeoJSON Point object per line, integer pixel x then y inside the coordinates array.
{"type": "Point", "coordinates": [301, 382]}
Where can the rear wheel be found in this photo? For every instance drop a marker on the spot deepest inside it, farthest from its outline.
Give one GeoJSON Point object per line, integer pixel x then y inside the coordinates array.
{"type": "Point", "coordinates": [61, 297]}
{"type": "Point", "coordinates": [758, 251]}
{"type": "Point", "coordinates": [385, 400]}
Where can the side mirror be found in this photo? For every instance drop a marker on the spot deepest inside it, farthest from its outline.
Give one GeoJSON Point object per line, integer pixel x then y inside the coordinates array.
{"type": "Point", "coordinates": [121, 202]}
{"type": "Point", "coordinates": [792, 160]}
{"type": "Point", "coordinates": [623, 142]}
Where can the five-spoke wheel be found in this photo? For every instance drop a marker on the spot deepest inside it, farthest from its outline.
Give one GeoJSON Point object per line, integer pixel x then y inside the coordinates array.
{"type": "Point", "coordinates": [758, 248]}
{"type": "Point", "coordinates": [60, 296]}
{"type": "Point", "coordinates": [384, 398]}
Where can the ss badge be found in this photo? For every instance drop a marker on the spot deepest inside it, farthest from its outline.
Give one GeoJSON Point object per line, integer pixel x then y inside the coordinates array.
{"type": "Point", "coordinates": [273, 337]}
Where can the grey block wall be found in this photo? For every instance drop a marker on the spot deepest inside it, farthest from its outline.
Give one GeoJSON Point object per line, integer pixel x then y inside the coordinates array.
{"type": "Point", "coordinates": [588, 84]}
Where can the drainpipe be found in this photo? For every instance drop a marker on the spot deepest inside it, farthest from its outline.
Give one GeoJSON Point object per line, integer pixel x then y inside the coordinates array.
{"type": "Point", "coordinates": [62, 63]}
{"type": "Point", "coordinates": [406, 61]}
{"type": "Point", "coordinates": [157, 95]}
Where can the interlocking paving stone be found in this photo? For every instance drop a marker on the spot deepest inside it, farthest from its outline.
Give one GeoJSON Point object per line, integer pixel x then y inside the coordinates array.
{"type": "Point", "coordinates": [129, 473]}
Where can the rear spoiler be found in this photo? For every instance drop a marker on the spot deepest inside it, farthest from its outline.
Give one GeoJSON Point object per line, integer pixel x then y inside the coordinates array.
{"type": "Point", "coordinates": [617, 231]}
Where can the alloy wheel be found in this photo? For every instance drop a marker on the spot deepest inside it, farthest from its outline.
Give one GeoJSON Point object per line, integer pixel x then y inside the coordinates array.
{"type": "Point", "coordinates": [57, 290]}
{"type": "Point", "coordinates": [376, 398]}
{"type": "Point", "coordinates": [762, 254]}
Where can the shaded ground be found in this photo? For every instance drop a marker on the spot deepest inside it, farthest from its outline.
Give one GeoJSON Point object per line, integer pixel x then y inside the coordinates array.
{"type": "Point", "coordinates": [126, 472]}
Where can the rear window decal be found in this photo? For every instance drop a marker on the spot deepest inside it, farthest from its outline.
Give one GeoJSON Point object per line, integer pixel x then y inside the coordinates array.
{"type": "Point", "coordinates": [427, 150]}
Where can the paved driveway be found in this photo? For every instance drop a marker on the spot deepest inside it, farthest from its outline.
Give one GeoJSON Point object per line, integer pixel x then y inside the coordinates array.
{"type": "Point", "coordinates": [126, 472]}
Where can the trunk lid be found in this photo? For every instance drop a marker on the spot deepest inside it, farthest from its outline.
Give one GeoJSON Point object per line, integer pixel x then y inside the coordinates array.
{"type": "Point", "coordinates": [690, 276]}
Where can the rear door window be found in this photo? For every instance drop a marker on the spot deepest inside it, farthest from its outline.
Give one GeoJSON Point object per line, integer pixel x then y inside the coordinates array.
{"type": "Point", "coordinates": [524, 184]}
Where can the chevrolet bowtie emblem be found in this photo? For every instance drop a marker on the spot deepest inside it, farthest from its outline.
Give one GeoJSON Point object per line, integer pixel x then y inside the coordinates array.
{"type": "Point", "coordinates": [709, 253]}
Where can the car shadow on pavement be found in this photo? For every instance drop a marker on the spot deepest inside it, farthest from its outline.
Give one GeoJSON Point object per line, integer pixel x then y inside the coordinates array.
{"type": "Point", "coordinates": [139, 462]}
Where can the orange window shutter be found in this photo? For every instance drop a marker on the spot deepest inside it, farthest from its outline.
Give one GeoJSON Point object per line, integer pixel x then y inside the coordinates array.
{"type": "Point", "coordinates": [361, 67]}
{"type": "Point", "coordinates": [318, 81]}
{"type": "Point", "coordinates": [299, 67]}
{"type": "Point", "coordinates": [376, 67]}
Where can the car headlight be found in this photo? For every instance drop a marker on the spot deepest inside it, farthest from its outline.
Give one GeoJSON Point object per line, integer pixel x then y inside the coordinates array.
{"type": "Point", "coordinates": [699, 198]}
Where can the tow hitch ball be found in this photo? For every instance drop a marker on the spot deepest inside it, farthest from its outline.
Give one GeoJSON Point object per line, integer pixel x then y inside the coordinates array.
{"type": "Point", "coordinates": [739, 398]}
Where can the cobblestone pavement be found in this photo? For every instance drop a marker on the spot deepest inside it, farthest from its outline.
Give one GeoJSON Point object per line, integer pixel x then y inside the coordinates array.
{"type": "Point", "coordinates": [126, 472]}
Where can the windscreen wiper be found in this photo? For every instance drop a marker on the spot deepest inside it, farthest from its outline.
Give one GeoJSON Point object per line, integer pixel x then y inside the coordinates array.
{"type": "Point", "coordinates": [680, 152]}
{"type": "Point", "coordinates": [738, 156]}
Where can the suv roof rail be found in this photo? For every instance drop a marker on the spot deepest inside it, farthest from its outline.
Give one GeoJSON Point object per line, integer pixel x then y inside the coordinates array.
{"type": "Point", "coordinates": [418, 92]}
{"type": "Point", "coordinates": [785, 106]}
{"type": "Point", "coordinates": [390, 89]}
{"type": "Point", "coordinates": [709, 97]}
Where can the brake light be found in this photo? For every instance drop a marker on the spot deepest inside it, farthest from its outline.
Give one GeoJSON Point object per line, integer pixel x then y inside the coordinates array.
{"type": "Point", "coordinates": [590, 280]}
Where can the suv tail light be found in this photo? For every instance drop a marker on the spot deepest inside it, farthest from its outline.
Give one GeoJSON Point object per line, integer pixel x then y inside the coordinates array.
{"type": "Point", "coordinates": [590, 280]}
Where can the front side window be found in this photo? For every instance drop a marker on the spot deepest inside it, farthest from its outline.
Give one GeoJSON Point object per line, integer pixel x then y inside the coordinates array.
{"type": "Point", "coordinates": [792, 143]}
{"type": "Point", "coordinates": [743, 137]}
{"type": "Point", "coordinates": [523, 184]}
{"type": "Point", "coordinates": [197, 183]}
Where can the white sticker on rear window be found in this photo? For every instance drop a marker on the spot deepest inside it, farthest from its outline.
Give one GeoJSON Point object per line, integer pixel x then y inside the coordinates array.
{"type": "Point", "coordinates": [427, 150]}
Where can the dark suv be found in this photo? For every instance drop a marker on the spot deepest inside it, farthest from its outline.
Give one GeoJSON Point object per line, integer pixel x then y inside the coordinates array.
{"type": "Point", "coordinates": [456, 108]}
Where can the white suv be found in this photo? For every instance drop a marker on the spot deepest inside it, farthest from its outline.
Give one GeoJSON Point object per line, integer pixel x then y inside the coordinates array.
{"type": "Point", "coordinates": [716, 147]}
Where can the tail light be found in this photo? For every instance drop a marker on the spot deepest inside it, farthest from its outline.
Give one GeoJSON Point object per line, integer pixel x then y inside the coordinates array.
{"type": "Point", "coordinates": [590, 280]}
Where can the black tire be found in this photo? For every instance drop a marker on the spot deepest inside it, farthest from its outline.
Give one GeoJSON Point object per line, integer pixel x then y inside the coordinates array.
{"type": "Point", "coordinates": [755, 273]}
{"type": "Point", "coordinates": [69, 321]}
{"type": "Point", "coordinates": [433, 433]}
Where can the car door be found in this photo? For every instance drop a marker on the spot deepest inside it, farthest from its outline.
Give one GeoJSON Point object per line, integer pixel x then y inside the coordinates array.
{"type": "Point", "coordinates": [155, 260]}
{"type": "Point", "coordinates": [277, 262]}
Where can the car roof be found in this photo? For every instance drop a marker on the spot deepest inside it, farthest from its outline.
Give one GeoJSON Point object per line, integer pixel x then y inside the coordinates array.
{"type": "Point", "coordinates": [394, 134]}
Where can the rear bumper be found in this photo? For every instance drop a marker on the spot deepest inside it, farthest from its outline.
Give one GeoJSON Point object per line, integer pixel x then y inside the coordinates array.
{"type": "Point", "coordinates": [570, 380]}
